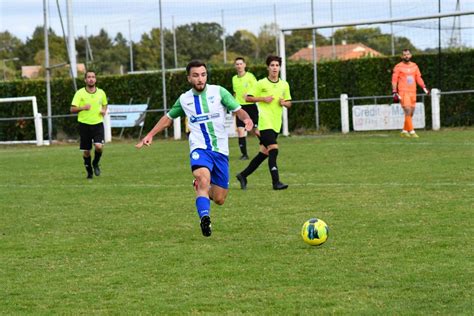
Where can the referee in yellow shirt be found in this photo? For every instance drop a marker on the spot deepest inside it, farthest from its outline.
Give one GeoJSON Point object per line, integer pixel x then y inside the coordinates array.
{"type": "Point", "coordinates": [90, 103]}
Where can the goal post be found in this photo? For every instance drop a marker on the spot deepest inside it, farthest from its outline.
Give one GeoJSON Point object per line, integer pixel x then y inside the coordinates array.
{"type": "Point", "coordinates": [282, 48]}
{"type": "Point", "coordinates": [37, 117]}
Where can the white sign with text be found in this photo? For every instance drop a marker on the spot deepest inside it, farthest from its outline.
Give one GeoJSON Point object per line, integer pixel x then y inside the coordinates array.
{"type": "Point", "coordinates": [127, 115]}
{"type": "Point", "coordinates": [384, 117]}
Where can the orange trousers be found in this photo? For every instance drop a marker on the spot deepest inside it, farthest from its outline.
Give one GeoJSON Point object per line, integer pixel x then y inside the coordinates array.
{"type": "Point", "coordinates": [408, 103]}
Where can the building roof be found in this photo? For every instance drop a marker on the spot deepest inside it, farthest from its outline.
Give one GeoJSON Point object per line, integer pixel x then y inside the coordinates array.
{"type": "Point", "coordinates": [341, 52]}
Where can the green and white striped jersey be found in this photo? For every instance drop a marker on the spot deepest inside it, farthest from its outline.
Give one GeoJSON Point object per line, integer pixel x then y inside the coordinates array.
{"type": "Point", "coordinates": [206, 113]}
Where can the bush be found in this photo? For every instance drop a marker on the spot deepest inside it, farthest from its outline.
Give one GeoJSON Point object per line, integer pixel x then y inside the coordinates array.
{"type": "Point", "coordinates": [361, 77]}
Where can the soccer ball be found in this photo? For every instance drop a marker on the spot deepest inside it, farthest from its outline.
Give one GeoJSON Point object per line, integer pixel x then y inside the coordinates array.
{"type": "Point", "coordinates": [314, 232]}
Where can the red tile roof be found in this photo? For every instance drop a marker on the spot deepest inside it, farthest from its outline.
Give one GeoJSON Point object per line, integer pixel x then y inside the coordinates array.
{"type": "Point", "coordinates": [342, 52]}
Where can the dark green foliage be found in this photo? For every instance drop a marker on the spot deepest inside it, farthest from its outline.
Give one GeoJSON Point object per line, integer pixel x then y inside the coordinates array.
{"type": "Point", "coordinates": [362, 77]}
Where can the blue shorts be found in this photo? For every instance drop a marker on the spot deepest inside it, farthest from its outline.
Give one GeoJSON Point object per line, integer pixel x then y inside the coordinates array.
{"type": "Point", "coordinates": [217, 163]}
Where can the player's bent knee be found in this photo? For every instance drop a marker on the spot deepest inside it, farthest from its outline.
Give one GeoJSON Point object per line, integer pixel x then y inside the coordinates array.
{"type": "Point", "coordinates": [219, 201]}
{"type": "Point", "coordinates": [203, 182]}
{"type": "Point", "coordinates": [218, 195]}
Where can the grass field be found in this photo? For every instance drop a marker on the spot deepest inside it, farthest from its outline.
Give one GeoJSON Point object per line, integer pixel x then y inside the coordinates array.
{"type": "Point", "coordinates": [400, 213]}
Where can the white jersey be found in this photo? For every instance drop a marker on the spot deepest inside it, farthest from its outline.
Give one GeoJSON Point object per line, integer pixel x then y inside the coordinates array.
{"type": "Point", "coordinates": [206, 113]}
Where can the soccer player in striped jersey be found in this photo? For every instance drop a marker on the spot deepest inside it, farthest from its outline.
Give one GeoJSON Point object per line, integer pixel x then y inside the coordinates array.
{"type": "Point", "coordinates": [242, 82]}
{"type": "Point", "coordinates": [406, 75]}
{"type": "Point", "coordinates": [271, 94]}
{"type": "Point", "coordinates": [205, 107]}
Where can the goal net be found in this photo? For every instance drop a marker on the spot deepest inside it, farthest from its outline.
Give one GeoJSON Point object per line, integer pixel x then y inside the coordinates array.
{"type": "Point", "coordinates": [425, 34]}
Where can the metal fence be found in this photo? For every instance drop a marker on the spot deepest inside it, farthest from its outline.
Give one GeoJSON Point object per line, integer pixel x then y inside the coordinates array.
{"type": "Point", "coordinates": [459, 116]}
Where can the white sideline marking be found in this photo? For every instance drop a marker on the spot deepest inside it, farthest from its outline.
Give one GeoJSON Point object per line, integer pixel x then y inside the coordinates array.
{"type": "Point", "coordinates": [149, 185]}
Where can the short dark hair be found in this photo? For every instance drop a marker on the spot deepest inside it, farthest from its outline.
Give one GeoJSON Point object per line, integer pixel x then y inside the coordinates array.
{"type": "Point", "coordinates": [239, 58]}
{"type": "Point", "coordinates": [88, 71]}
{"type": "Point", "coordinates": [273, 58]}
{"type": "Point", "coordinates": [406, 50]}
{"type": "Point", "coordinates": [194, 64]}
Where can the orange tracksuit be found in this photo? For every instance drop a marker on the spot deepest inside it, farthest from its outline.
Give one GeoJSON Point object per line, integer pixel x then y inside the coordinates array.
{"type": "Point", "coordinates": [406, 76]}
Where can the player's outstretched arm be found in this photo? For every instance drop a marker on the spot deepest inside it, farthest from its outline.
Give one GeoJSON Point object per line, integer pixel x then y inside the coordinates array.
{"type": "Point", "coordinates": [163, 123]}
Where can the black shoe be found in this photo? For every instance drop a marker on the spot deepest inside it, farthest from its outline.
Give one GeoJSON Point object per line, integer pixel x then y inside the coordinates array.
{"type": "Point", "coordinates": [89, 172]}
{"type": "Point", "coordinates": [244, 157]}
{"type": "Point", "coordinates": [280, 186]}
{"type": "Point", "coordinates": [242, 180]}
{"type": "Point", "coordinates": [206, 226]}
{"type": "Point", "coordinates": [96, 170]}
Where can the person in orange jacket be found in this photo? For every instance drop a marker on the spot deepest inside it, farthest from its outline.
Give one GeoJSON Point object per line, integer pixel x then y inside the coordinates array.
{"type": "Point", "coordinates": [406, 75]}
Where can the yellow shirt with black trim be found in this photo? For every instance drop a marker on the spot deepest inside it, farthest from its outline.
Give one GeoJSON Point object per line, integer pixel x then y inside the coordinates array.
{"type": "Point", "coordinates": [241, 85]}
{"type": "Point", "coordinates": [270, 114]}
{"type": "Point", "coordinates": [97, 100]}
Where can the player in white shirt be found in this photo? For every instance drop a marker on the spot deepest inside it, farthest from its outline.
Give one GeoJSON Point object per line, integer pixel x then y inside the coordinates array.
{"type": "Point", "coordinates": [205, 107]}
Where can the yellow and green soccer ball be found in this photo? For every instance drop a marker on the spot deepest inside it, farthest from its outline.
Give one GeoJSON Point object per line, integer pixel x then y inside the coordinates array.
{"type": "Point", "coordinates": [315, 232]}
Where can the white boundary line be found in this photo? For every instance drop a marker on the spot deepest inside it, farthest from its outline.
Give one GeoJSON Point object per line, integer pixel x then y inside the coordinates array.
{"type": "Point", "coordinates": [233, 186]}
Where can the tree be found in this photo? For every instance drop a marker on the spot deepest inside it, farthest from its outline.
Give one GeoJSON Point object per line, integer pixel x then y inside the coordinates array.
{"type": "Point", "coordinates": [218, 59]}
{"type": "Point", "coordinates": [147, 55]}
{"type": "Point", "coordinates": [267, 41]}
{"type": "Point", "coordinates": [199, 40]}
{"type": "Point", "coordinates": [9, 48]}
{"type": "Point", "coordinates": [110, 56]}
{"type": "Point", "coordinates": [373, 38]}
{"type": "Point", "coordinates": [9, 45]}
{"type": "Point", "coordinates": [57, 48]}
{"type": "Point", "coordinates": [243, 43]}
{"type": "Point", "coordinates": [302, 38]}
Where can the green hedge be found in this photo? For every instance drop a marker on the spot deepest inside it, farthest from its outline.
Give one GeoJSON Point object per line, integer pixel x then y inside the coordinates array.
{"type": "Point", "coordinates": [361, 77]}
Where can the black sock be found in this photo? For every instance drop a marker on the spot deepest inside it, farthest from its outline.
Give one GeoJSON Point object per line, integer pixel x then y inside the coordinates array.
{"type": "Point", "coordinates": [243, 145]}
{"type": "Point", "coordinates": [97, 156]}
{"type": "Point", "coordinates": [272, 165]}
{"type": "Point", "coordinates": [87, 161]}
{"type": "Point", "coordinates": [253, 165]}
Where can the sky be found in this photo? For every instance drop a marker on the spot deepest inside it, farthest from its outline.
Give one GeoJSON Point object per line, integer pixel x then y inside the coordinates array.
{"type": "Point", "coordinates": [20, 17]}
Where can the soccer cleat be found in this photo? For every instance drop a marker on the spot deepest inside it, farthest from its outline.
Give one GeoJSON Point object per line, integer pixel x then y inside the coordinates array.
{"type": "Point", "coordinates": [414, 135]}
{"type": "Point", "coordinates": [244, 157]}
{"type": "Point", "coordinates": [405, 135]}
{"type": "Point", "coordinates": [242, 180]}
{"type": "Point", "coordinates": [280, 186]}
{"type": "Point", "coordinates": [96, 170]}
{"type": "Point", "coordinates": [89, 172]}
{"type": "Point", "coordinates": [206, 226]}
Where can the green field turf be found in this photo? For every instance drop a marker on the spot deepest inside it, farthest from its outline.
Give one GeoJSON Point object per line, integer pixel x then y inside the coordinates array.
{"type": "Point", "coordinates": [400, 213]}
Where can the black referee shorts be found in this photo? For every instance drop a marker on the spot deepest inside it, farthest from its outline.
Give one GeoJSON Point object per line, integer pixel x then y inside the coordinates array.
{"type": "Point", "coordinates": [252, 111]}
{"type": "Point", "coordinates": [90, 134]}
